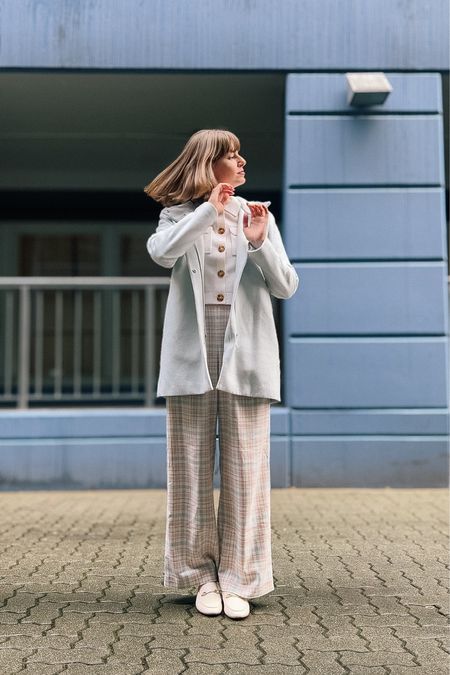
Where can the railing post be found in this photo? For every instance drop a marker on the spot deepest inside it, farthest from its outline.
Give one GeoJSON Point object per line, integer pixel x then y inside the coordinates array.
{"type": "Point", "coordinates": [149, 338]}
{"type": "Point", "coordinates": [24, 347]}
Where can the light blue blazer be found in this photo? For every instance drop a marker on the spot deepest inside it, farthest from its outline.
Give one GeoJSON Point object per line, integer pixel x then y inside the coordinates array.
{"type": "Point", "coordinates": [251, 361]}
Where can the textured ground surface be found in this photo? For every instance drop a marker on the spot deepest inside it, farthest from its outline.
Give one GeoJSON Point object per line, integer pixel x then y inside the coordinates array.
{"type": "Point", "coordinates": [361, 587]}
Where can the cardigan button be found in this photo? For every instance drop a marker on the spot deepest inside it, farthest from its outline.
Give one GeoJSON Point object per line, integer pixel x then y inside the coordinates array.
{"type": "Point", "coordinates": [221, 230]}
{"type": "Point", "coordinates": [220, 297]}
{"type": "Point", "coordinates": [194, 270]}
{"type": "Point", "coordinates": [221, 248]}
{"type": "Point", "coordinates": [220, 273]}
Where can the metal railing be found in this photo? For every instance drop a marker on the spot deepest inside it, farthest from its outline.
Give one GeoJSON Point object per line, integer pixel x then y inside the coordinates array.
{"type": "Point", "coordinates": [80, 339]}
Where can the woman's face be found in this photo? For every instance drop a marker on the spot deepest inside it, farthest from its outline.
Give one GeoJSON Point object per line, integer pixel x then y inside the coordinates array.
{"type": "Point", "coordinates": [230, 168]}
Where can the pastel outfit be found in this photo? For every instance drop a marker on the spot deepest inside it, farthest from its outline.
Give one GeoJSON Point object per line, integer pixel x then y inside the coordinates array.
{"type": "Point", "coordinates": [235, 547]}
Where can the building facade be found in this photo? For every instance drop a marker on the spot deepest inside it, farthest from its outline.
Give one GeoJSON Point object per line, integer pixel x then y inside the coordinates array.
{"type": "Point", "coordinates": [98, 97]}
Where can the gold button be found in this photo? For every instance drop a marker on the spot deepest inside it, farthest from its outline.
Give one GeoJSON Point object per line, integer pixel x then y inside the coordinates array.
{"type": "Point", "coordinates": [220, 297]}
{"type": "Point", "coordinates": [221, 248]}
{"type": "Point", "coordinates": [221, 230]}
{"type": "Point", "coordinates": [220, 273]}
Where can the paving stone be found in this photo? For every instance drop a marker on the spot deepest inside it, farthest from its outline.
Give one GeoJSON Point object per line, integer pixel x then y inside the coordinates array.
{"type": "Point", "coordinates": [86, 655]}
{"type": "Point", "coordinates": [31, 642]}
{"type": "Point", "coordinates": [151, 630]}
{"type": "Point", "coordinates": [228, 654]}
{"type": "Point", "coordinates": [211, 641]}
{"type": "Point", "coordinates": [72, 597]}
{"type": "Point", "coordinates": [68, 624]}
{"type": "Point", "coordinates": [384, 637]}
{"type": "Point", "coordinates": [426, 651]}
{"type": "Point", "coordinates": [95, 607]}
{"type": "Point", "coordinates": [338, 625]}
{"type": "Point", "coordinates": [361, 582]}
{"type": "Point", "coordinates": [363, 620]}
{"type": "Point", "coordinates": [105, 669]}
{"type": "Point", "coordinates": [280, 650]}
{"type": "Point", "coordinates": [105, 633]}
{"type": "Point", "coordinates": [346, 610]}
{"type": "Point", "coordinates": [444, 644]}
{"type": "Point", "coordinates": [43, 669]}
{"type": "Point", "coordinates": [9, 629]}
{"type": "Point", "coordinates": [20, 602]}
{"type": "Point", "coordinates": [44, 614]}
{"type": "Point", "coordinates": [388, 605]}
{"type": "Point", "coordinates": [325, 663]}
{"type": "Point", "coordinates": [132, 649]}
{"type": "Point", "coordinates": [127, 619]}
{"type": "Point", "coordinates": [12, 660]}
{"type": "Point", "coordinates": [10, 618]}
{"type": "Point", "coordinates": [165, 661]}
{"type": "Point", "coordinates": [423, 631]}
{"type": "Point", "coordinates": [255, 619]}
{"type": "Point", "coordinates": [379, 658]}
{"type": "Point", "coordinates": [430, 669]}
{"type": "Point", "coordinates": [301, 616]}
{"type": "Point", "coordinates": [375, 670]}
{"type": "Point", "coordinates": [268, 669]}
{"type": "Point", "coordinates": [208, 669]}
{"type": "Point", "coordinates": [240, 635]}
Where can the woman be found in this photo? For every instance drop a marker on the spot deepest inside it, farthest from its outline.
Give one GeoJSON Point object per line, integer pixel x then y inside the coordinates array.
{"type": "Point", "coordinates": [219, 364]}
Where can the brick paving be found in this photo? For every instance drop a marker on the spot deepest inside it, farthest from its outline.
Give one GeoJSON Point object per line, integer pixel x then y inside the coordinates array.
{"type": "Point", "coordinates": [361, 587]}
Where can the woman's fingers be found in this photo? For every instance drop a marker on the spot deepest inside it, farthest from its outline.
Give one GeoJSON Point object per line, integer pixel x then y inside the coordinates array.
{"type": "Point", "coordinates": [224, 191]}
{"type": "Point", "coordinates": [223, 187]}
{"type": "Point", "coordinates": [258, 209]}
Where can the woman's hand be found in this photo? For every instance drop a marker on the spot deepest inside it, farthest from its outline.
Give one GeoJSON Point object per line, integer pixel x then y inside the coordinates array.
{"type": "Point", "coordinates": [221, 195]}
{"type": "Point", "coordinates": [260, 216]}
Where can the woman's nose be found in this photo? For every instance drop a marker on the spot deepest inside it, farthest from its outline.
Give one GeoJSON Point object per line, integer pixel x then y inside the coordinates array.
{"type": "Point", "coordinates": [242, 161]}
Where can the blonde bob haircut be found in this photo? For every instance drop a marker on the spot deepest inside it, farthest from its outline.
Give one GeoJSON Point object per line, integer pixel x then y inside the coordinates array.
{"type": "Point", "coordinates": [190, 176]}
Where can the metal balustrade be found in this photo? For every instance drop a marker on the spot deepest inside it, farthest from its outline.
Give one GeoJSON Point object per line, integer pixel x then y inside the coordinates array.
{"type": "Point", "coordinates": [82, 340]}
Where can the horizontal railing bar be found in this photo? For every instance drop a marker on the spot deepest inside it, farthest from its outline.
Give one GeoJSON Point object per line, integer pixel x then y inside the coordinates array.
{"type": "Point", "coordinates": [72, 282]}
{"type": "Point", "coordinates": [88, 397]}
{"type": "Point", "coordinates": [75, 282]}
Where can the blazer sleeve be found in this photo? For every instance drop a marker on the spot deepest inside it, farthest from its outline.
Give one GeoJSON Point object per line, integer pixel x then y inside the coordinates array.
{"type": "Point", "coordinates": [173, 238]}
{"type": "Point", "coordinates": [271, 257]}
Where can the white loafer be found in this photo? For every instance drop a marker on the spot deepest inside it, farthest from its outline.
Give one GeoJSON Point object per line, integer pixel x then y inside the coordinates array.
{"type": "Point", "coordinates": [209, 600]}
{"type": "Point", "coordinates": [234, 606]}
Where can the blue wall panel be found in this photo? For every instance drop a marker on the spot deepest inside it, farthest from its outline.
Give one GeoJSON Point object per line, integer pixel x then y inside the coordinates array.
{"type": "Point", "coordinates": [367, 331]}
{"type": "Point", "coordinates": [365, 223]}
{"type": "Point", "coordinates": [284, 35]}
{"type": "Point", "coordinates": [375, 447]}
{"type": "Point", "coordinates": [324, 92]}
{"type": "Point", "coordinates": [364, 149]}
{"type": "Point", "coordinates": [369, 299]}
{"type": "Point", "coordinates": [132, 462]}
{"type": "Point", "coordinates": [109, 448]}
{"type": "Point", "coordinates": [383, 461]}
{"type": "Point", "coordinates": [367, 372]}
{"type": "Point", "coordinates": [372, 421]}
{"type": "Point", "coordinates": [82, 423]}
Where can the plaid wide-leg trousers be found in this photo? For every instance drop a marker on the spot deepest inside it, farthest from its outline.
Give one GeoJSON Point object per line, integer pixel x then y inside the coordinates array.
{"type": "Point", "coordinates": [234, 549]}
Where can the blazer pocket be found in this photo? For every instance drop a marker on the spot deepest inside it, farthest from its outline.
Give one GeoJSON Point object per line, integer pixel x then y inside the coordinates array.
{"type": "Point", "coordinates": [233, 237]}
